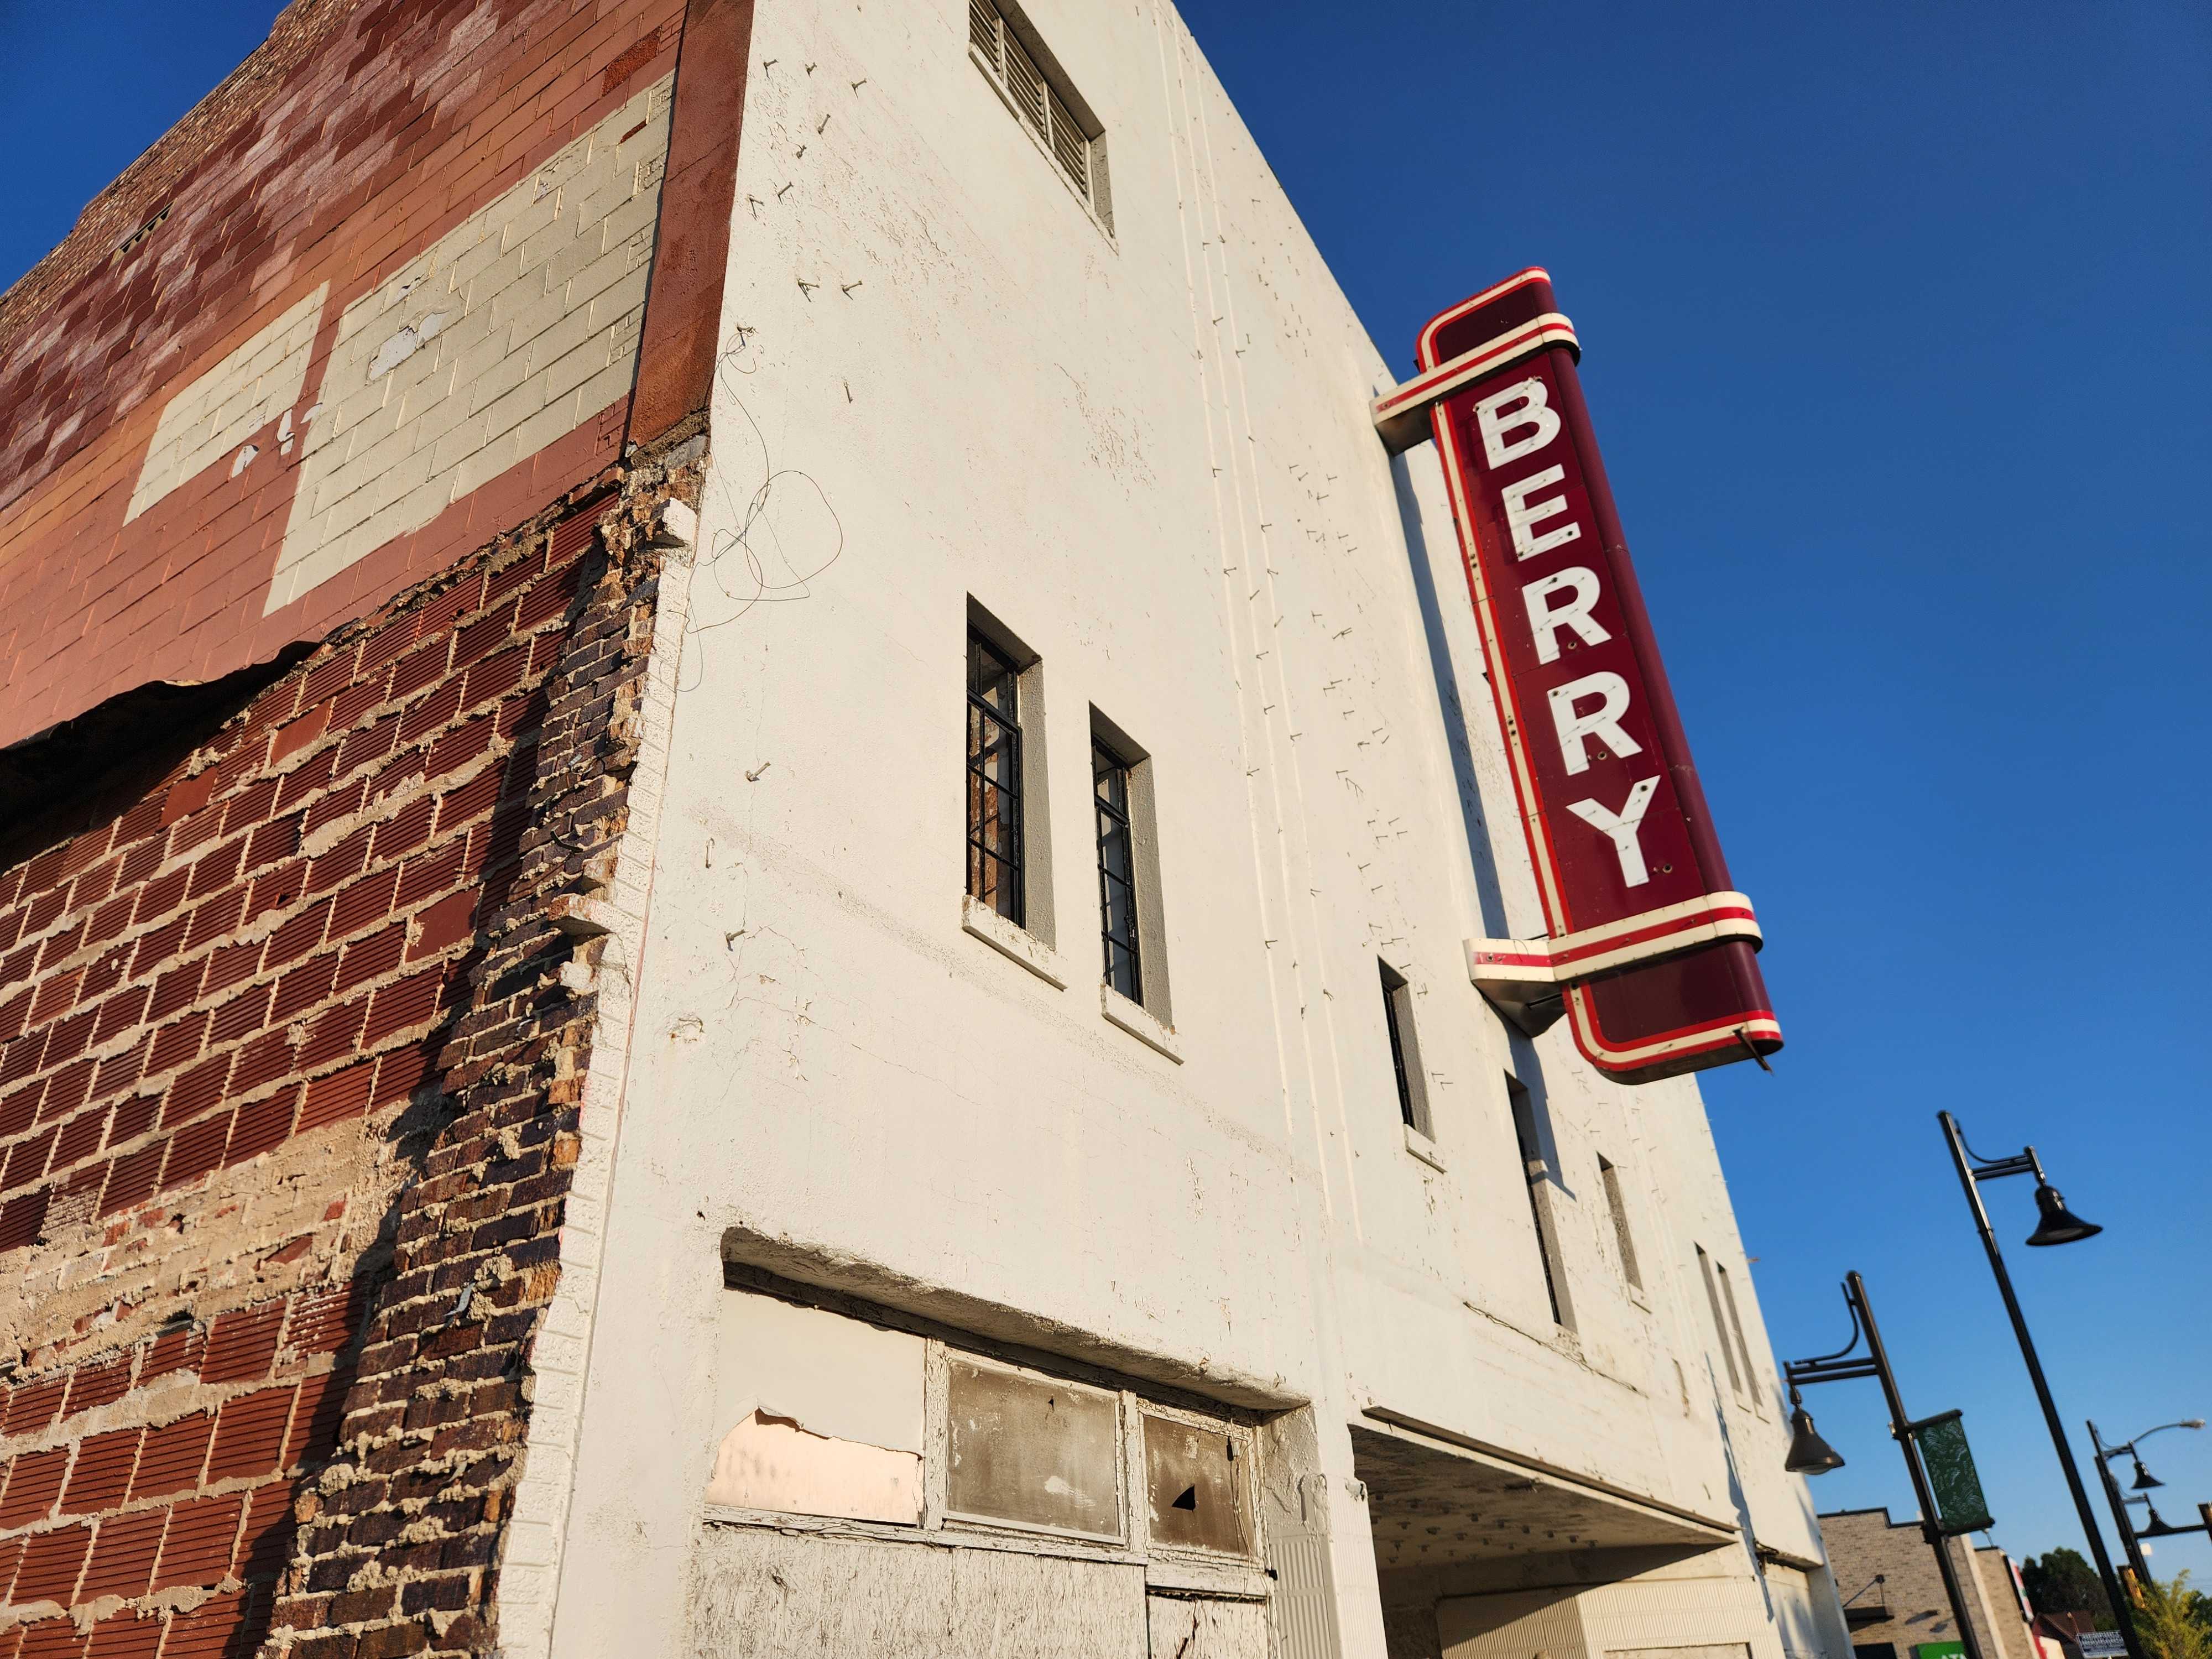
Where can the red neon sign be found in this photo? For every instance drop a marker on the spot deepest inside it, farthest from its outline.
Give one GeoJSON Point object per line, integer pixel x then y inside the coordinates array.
{"type": "Point", "coordinates": [1650, 952]}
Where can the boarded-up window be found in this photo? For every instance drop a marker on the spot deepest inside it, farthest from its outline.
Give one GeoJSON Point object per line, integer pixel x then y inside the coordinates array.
{"type": "Point", "coordinates": [1194, 1487]}
{"type": "Point", "coordinates": [817, 1413]}
{"type": "Point", "coordinates": [1027, 1451]}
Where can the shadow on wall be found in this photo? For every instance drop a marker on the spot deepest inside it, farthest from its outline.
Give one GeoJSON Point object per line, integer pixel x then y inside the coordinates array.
{"type": "Point", "coordinates": [1480, 857]}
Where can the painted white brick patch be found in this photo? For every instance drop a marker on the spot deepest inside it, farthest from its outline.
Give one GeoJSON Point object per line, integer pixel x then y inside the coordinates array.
{"type": "Point", "coordinates": [259, 381]}
{"type": "Point", "coordinates": [510, 332]}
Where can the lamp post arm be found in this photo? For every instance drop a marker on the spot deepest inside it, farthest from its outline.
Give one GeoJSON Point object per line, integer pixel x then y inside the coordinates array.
{"type": "Point", "coordinates": [1863, 1313]}
{"type": "Point", "coordinates": [2122, 1610]}
{"type": "Point", "coordinates": [2114, 1497]}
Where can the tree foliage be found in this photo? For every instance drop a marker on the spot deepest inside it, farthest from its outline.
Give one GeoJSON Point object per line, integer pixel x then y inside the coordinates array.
{"type": "Point", "coordinates": [2061, 1581]}
{"type": "Point", "coordinates": [2174, 1621]}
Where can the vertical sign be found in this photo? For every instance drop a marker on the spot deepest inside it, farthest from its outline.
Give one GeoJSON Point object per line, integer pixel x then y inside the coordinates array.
{"type": "Point", "coordinates": [1652, 955]}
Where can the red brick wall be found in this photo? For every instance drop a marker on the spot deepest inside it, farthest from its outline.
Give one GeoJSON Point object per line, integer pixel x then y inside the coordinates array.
{"type": "Point", "coordinates": [283, 1045]}
{"type": "Point", "coordinates": [373, 130]}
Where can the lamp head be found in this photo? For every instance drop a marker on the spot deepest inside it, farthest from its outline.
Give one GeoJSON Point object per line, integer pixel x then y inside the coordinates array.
{"type": "Point", "coordinates": [2056, 1223]}
{"type": "Point", "coordinates": [2144, 1480]}
{"type": "Point", "coordinates": [2159, 1527]}
{"type": "Point", "coordinates": [1808, 1453]}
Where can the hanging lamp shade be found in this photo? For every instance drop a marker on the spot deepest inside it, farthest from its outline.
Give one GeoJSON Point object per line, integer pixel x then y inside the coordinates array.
{"type": "Point", "coordinates": [2058, 1224]}
{"type": "Point", "coordinates": [1808, 1453]}
{"type": "Point", "coordinates": [2144, 1480]}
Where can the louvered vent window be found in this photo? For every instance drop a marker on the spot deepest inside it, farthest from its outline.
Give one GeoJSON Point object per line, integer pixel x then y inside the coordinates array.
{"type": "Point", "coordinates": [1067, 133]}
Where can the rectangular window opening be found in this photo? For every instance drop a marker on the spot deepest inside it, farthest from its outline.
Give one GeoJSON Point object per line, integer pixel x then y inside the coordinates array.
{"type": "Point", "coordinates": [1117, 873]}
{"type": "Point", "coordinates": [1720, 1322]}
{"type": "Point", "coordinates": [1405, 1050]}
{"type": "Point", "coordinates": [1735, 1325]}
{"type": "Point", "coordinates": [1536, 1171]}
{"type": "Point", "coordinates": [994, 780]}
{"type": "Point", "coordinates": [1609, 1178]}
{"type": "Point", "coordinates": [1006, 48]}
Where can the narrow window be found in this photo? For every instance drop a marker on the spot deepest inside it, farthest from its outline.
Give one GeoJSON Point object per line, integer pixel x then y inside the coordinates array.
{"type": "Point", "coordinates": [1405, 1050]}
{"type": "Point", "coordinates": [1117, 872]}
{"type": "Point", "coordinates": [1720, 1320]}
{"type": "Point", "coordinates": [994, 780]}
{"type": "Point", "coordinates": [1735, 1324]}
{"type": "Point", "coordinates": [1537, 1172]}
{"type": "Point", "coordinates": [1609, 1178]}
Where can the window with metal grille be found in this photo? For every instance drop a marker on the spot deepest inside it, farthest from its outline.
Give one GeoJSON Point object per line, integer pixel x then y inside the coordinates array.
{"type": "Point", "coordinates": [1006, 47]}
{"type": "Point", "coordinates": [1536, 1170]}
{"type": "Point", "coordinates": [1609, 1178]}
{"type": "Point", "coordinates": [1117, 872]}
{"type": "Point", "coordinates": [1405, 1050]}
{"type": "Point", "coordinates": [994, 780]}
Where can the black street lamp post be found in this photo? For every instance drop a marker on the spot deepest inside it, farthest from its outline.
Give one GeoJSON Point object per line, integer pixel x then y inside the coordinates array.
{"type": "Point", "coordinates": [2144, 1480]}
{"type": "Point", "coordinates": [1810, 1454]}
{"type": "Point", "coordinates": [2056, 1225]}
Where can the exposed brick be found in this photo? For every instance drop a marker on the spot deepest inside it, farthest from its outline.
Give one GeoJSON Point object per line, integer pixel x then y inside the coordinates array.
{"type": "Point", "coordinates": [296, 937]}
{"type": "Point", "coordinates": [216, 918]}
{"type": "Point", "coordinates": [131, 1179]}
{"type": "Point", "coordinates": [249, 807]}
{"type": "Point", "coordinates": [249, 1436]}
{"type": "Point", "coordinates": [430, 872]}
{"type": "Point", "coordinates": [368, 901]}
{"type": "Point", "coordinates": [57, 995]}
{"type": "Point", "coordinates": [132, 1118]}
{"type": "Point", "coordinates": [263, 1126]}
{"type": "Point", "coordinates": [102, 1472]}
{"type": "Point", "coordinates": [342, 863]}
{"type": "Point", "coordinates": [240, 1345]}
{"type": "Point", "coordinates": [67, 1089]}
{"type": "Point", "coordinates": [265, 1542]}
{"type": "Point", "coordinates": [27, 1160]}
{"type": "Point", "coordinates": [52, 1562]}
{"type": "Point", "coordinates": [263, 1060]}
{"type": "Point", "coordinates": [195, 1149]}
{"type": "Point", "coordinates": [216, 870]}
{"type": "Point", "coordinates": [81, 1137]}
{"type": "Point", "coordinates": [174, 1350]}
{"type": "Point", "coordinates": [157, 947]}
{"type": "Point", "coordinates": [23, 1217]}
{"type": "Point", "coordinates": [123, 1553]}
{"type": "Point", "coordinates": [187, 797]}
{"type": "Point", "coordinates": [304, 987]}
{"type": "Point", "coordinates": [160, 896]}
{"type": "Point", "coordinates": [51, 1638]}
{"type": "Point", "coordinates": [195, 1092]}
{"type": "Point", "coordinates": [34, 1483]}
{"type": "Point", "coordinates": [126, 1634]}
{"type": "Point", "coordinates": [322, 1321]}
{"type": "Point", "coordinates": [198, 1547]}
{"type": "Point", "coordinates": [170, 1461]}
{"type": "Point", "coordinates": [121, 1012]}
{"type": "Point", "coordinates": [101, 1383]}
{"type": "Point", "coordinates": [297, 734]}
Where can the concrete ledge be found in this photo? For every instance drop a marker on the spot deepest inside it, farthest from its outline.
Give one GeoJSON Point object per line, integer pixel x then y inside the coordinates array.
{"type": "Point", "coordinates": [1137, 1021]}
{"type": "Point", "coordinates": [1423, 1148]}
{"type": "Point", "coordinates": [1012, 941]}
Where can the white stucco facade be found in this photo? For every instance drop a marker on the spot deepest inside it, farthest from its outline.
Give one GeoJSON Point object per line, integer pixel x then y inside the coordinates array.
{"type": "Point", "coordinates": [1143, 456]}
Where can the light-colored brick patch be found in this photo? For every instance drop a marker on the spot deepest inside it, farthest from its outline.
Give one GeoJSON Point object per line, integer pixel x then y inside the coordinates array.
{"type": "Point", "coordinates": [259, 380]}
{"type": "Point", "coordinates": [507, 333]}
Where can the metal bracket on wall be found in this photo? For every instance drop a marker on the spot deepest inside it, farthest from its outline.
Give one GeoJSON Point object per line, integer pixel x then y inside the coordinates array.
{"type": "Point", "coordinates": [1524, 979]}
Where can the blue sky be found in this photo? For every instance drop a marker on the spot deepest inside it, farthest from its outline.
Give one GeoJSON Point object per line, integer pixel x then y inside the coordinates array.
{"type": "Point", "coordinates": [1896, 325]}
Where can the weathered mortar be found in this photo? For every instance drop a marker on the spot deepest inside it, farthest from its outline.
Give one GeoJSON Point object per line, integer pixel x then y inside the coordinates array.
{"type": "Point", "coordinates": [413, 796]}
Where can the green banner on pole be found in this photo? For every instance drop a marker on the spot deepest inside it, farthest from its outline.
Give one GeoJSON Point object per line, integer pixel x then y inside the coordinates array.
{"type": "Point", "coordinates": [1959, 1506]}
